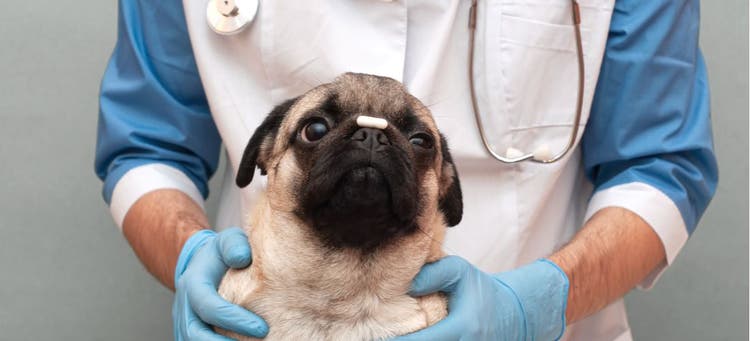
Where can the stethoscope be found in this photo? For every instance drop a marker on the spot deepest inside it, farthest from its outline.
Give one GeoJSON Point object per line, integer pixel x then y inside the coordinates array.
{"type": "Point", "coordinates": [542, 153]}
{"type": "Point", "coordinates": [232, 16]}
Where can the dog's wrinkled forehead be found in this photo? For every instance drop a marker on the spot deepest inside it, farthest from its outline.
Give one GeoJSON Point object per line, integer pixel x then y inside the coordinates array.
{"type": "Point", "coordinates": [360, 94]}
{"type": "Point", "coordinates": [370, 94]}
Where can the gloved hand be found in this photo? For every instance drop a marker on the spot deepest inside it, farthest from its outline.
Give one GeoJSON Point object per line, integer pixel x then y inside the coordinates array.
{"type": "Point", "coordinates": [523, 304]}
{"type": "Point", "coordinates": [203, 261]}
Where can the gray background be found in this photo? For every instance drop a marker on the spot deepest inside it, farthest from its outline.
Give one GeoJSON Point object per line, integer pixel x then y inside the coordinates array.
{"type": "Point", "coordinates": [67, 274]}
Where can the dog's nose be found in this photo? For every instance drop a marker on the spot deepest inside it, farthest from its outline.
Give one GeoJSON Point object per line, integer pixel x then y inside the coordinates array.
{"type": "Point", "coordinates": [371, 138]}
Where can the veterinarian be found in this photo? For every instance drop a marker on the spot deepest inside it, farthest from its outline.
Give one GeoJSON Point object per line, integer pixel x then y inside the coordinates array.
{"type": "Point", "coordinates": [544, 251]}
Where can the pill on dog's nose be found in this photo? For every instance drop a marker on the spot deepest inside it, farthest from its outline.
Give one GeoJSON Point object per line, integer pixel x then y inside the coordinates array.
{"type": "Point", "coordinates": [371, 122]}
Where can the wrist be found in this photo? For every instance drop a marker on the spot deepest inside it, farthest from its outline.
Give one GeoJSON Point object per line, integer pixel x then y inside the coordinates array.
{"type": "Point", "coordinates": [542, 291]}
{"type": "Point", "coordinates": [564, 290]}
{"type": "Point", "coordinates": [191, 245]}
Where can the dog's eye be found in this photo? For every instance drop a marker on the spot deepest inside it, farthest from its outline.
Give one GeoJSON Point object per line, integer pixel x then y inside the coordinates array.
{"type": "Point", "coordinates": [314, 130]}
{"type": "Point", "coordinates": [422, 140]}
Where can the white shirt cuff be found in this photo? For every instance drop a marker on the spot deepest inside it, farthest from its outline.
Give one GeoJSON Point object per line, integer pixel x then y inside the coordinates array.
{"type": "Point", "coordinates": [654, 207]}
{"type": "Point", "coordinates": [147, 178]}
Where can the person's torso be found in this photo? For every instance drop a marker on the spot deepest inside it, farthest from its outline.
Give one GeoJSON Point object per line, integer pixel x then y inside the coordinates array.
{"type": "Point", "coordinates": [526, 78]}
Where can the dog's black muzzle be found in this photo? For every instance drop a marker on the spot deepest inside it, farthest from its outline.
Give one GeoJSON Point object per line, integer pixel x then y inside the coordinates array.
{"type": "Point", "coordinates": [362, 193]}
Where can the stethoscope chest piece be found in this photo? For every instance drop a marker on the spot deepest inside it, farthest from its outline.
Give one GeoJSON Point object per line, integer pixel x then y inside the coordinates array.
{"type": "Point", "coordinates": [230, 16]}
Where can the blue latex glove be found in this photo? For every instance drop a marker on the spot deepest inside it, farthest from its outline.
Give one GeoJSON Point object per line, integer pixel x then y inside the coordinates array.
{"type": "Point", "coordinates": [203, 261]}
{"type": "Point", "coordinates": [523, 304]}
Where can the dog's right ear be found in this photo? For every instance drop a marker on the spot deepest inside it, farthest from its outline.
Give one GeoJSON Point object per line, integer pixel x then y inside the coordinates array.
{"type": "Point", "coordinates": [262, 139]}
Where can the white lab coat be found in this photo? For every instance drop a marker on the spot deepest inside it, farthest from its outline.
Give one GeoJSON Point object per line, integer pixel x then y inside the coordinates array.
{"type": "Point", "coordinates": [526, 75]}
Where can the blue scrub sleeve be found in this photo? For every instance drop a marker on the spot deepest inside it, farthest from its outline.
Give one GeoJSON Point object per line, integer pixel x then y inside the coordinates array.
{"type": "Point", "coordinates": [153, 109]}
{"type": "Point", "coordinates": [648, 143]}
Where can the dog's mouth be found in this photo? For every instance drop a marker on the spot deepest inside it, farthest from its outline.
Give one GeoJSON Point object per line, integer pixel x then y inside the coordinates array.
{"type": "Point", "coordinates": [364, 186]}
{"type": "Point", "coordinates": [362, 203]}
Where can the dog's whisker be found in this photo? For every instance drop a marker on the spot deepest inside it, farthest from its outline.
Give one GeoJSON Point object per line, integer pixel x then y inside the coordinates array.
{"type": "Point", "coordinates": [433, 104]}
{"type": "Point", "coordinates": [445, 247]}
{"type": "Point", "coordinates": [304, 81]}
{"type": "Point", "coordinates": [317, 78]}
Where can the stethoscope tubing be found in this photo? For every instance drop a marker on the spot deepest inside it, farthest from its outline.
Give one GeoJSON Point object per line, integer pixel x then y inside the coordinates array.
{"type": "Point", "coordinates": [579, 103]}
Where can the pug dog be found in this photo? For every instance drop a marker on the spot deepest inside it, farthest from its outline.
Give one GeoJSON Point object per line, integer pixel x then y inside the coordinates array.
{"type": "Point", "coordinates": [361, 188]}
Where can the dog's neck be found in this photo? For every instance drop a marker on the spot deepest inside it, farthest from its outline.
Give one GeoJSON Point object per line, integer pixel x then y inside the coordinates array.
{"type": "Point", "coordinates": [306, 290]}
{"type": "Point", "coordinates": [289, 258]}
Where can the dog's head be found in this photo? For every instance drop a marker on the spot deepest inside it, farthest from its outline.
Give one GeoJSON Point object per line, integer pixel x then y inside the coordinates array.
{"type": "Point", "coordinates": [356, 185]}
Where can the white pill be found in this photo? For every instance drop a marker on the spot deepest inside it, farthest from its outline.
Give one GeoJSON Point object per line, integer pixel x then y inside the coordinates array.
{"type": "Point", "coordinates": [513, 153]}
{"type": "Point", "coordinates": [371, 122]}
{"type": "Point", "coordinates": [542, 153]}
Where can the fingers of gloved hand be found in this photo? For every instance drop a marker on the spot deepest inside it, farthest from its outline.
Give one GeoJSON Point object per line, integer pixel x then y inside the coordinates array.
{"type": "Point", "coordinates": [449, 329]}
{"type": "Point", "coordinates": [442, 275]}
{"type": "Point", "coordinates": [214, 310]}
{"type": "Point", "coordinates": [206, 265]}
{"type": "Point", "coordinates": [235, 248]}
{"type": "Point", "coordinates": [187, 326]}
{"type": "Point", "coordinates": [197, 330]}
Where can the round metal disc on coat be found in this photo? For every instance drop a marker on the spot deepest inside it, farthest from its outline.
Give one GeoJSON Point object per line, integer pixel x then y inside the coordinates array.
{"type": "Point", "coordinates": [230, 16]}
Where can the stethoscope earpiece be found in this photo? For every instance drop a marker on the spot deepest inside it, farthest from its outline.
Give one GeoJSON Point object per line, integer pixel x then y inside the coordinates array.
{"type": "Point", "coordinates": [230, 16]}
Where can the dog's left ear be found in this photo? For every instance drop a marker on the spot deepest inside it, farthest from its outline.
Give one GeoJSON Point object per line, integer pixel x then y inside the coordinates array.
{"type": "Point", "coordinates": [262, 139]}
{"type": "Point", "coordinates": [450, 202]}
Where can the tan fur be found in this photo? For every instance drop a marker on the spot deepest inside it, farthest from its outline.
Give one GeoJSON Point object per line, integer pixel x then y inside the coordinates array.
{"type": "Point", "coordinates": [306, 291]}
